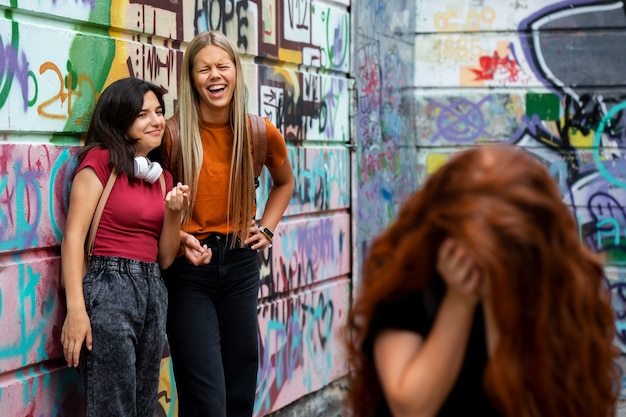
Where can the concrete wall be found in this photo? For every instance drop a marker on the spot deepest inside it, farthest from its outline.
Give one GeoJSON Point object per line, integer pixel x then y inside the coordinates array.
{"type": "Point", "coordinates": [386, 153]}
{"type": "Point", "coordinates": [55, 58]}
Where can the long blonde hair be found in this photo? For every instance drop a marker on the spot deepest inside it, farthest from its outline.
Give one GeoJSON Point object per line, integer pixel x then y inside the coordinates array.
{"type": "Point", "coordinates": [241, 194]}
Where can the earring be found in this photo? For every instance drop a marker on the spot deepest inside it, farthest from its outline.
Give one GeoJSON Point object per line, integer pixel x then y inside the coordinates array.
{"type": "Point", "coordinates": [146, 170]}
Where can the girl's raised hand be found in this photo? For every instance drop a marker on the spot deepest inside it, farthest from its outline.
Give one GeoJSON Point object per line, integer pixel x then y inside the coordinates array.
{"type": "Point", "coordinates": [459, 271]}
{"type": "Point", "coordinates": [178, 198]}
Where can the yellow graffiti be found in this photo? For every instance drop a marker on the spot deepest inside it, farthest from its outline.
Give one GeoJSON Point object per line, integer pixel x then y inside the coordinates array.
{"type": "Point", "coordinates": [435, 161]}
{"type": "Point", "coordinates": [290, 55]}
{"type": "Point", "coordinates": [120, 18]}
{"type": "Point", "coordinates": [167, 389]}
{"type": "Point", "coordinates": [474, 21]}
{"type": "Point", "coordinates": [578, 139]}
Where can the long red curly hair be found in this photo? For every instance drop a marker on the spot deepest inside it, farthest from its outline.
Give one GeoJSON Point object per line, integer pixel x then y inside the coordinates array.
{"type": "Point", "coordinates": [555, 355]}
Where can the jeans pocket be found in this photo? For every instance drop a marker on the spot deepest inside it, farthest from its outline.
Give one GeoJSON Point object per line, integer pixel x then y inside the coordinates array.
{"type": "Point", "coordinates": [92, 287]}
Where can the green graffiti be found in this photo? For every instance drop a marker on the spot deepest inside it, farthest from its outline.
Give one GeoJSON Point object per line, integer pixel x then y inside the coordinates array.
{"type": "Point", "coordinates": [15, 36]}
{"type": "Point", "coordinates": [546, 106]}
{"type": "Point", "coordinates": [341, 33]}
{"type": "Point", "coordinates": [71, 79]}
{"type": "Point", "coordinates": [93, 56]}
{"type": "Point", "coordinates": [32, 101]}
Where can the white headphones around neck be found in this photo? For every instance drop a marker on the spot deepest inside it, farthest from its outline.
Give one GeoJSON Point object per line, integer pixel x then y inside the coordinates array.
{"type": "Point", "coordinates": [146, 170]}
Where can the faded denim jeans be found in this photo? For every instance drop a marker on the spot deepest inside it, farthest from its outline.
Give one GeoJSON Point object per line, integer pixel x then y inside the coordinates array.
{"type": "Point", "coordinates": [127, 304]}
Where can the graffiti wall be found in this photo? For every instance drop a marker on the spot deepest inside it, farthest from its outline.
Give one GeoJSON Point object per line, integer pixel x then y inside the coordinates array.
{"type": "Point", "coordinates": [368, 111]}
{"type": "Point", "coordinates": [55, 59]}
{"type": "Point", "coordinates": [386, 149]}
{"type": "Point", "coordinates": [543, 75]}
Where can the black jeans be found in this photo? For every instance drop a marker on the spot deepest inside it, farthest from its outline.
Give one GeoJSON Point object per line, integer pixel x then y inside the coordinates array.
{"type": "Point", "coordinates": [212, 330]}
{"type": "Point", "coordinates": [126, 302]}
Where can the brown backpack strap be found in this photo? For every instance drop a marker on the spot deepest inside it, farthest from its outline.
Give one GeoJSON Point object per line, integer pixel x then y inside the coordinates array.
{"type": "Point", "coordinates": [173, 130]}
{"type": "Point", "coordinates": [95, 221]}
{"type": "Point", "coordinates": [258, 135]}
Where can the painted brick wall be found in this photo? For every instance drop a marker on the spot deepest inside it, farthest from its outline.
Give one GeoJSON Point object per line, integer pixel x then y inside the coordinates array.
{"type": "Point", "coordinates": [371, 95]}
{"type": "Point", "coordinates": [55, 58]}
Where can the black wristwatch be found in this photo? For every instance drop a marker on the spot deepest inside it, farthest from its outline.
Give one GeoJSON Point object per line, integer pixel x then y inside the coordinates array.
{"type": "Point", "coordinates": [267, 232]}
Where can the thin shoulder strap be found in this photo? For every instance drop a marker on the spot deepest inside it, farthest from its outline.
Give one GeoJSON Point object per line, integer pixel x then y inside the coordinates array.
{"type": "Point", "coordinates": [162, 181]}
{"type": "Point", "coordinates": [173, 128]}
{"type": "Point", "coordinates": [258, 132]}
{"type": "Point", "coordinates": [95, 221]}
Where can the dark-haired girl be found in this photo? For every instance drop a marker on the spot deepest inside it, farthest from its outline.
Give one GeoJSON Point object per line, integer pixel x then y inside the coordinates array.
{"type": "Point", "coordinates": [114, 330]}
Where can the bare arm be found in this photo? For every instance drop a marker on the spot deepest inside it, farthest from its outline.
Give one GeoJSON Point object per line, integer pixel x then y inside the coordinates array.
{"type": "Point", "coordinates": [84, 196]}
{"type": "Point", "coordinates": [195, 253]}
{"type": "Point", "coordinates": [169, 241]}
{"type": "Point", "coordinates": [418, 374]}
{"type": "Point", "coordinates": [276, 204]}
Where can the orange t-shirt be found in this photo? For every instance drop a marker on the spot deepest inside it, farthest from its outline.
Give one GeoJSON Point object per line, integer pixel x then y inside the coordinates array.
{"type": "Point", "coordinates": [210, 208]}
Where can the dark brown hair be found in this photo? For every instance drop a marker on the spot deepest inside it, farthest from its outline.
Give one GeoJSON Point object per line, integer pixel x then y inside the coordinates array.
{"type": "Point", "coordinates": [117, 108]}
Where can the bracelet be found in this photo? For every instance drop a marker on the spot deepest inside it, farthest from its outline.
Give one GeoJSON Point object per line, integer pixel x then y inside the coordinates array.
{"type": "Point", "coordinates": [267, 232]}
